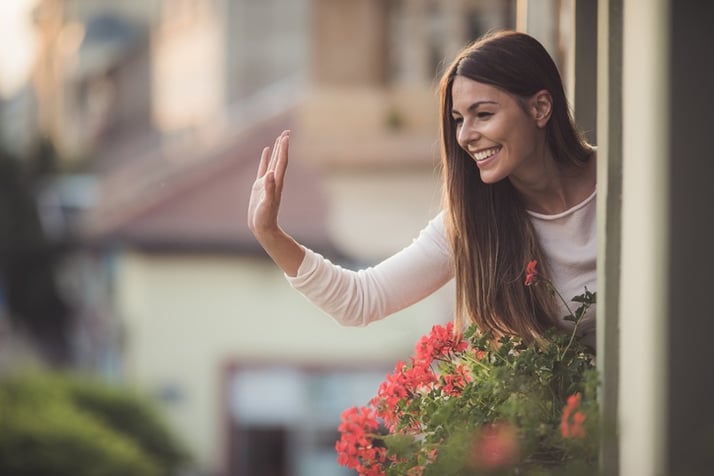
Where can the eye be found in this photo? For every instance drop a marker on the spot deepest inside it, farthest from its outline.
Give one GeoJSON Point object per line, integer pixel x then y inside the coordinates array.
{"type": "Point", "coordinates": [484, 115]}
{"type": "Point", "coordinates": [457, 120]}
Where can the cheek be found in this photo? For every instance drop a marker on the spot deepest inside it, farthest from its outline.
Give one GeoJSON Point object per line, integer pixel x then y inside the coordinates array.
{"type": "Point", "coordinates": [517, 133]}
{"type": "Point", "coordinates": [529, 135]}
{"type": "Point", "coordinates": [500, 127]}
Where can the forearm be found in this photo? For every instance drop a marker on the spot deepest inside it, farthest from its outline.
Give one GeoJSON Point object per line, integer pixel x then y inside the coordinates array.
{"type": "Point", "coordinates": [356, 298]}
{"type": "Point", "coordinates": [283, 249]}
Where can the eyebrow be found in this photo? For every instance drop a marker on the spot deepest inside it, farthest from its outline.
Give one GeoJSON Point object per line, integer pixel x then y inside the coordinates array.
{"type": "Point", "coordinates": [474, 106]}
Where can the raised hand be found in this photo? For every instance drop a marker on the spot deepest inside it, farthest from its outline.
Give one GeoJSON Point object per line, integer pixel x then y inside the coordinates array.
{"type": "Point", "coordinates": [266, 193]}
{"type": "Point", "coordinates": [264, 206]}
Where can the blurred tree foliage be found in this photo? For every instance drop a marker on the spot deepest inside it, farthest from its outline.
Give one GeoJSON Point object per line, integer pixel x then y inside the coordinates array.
{"type": "Point", "coordinates": [61, 424]}
{"type": "Point", "coordinates": [130, 414]}
{"type": "Point", "coordinates": [27, 258]}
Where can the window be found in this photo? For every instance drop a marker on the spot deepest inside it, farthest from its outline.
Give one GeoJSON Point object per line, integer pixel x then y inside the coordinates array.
{"type": "Point", "coordinates": [283, 420]}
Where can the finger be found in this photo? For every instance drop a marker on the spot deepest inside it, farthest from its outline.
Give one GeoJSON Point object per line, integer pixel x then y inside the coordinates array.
{"type": "Point", "coordinates": [264, 159]}
{"type": "Point", "coordinates": [276, 151]}
{"type": "Point", "coordinates": [282, 162]}
{"type": "Point", "coordinates": [270, 187]}
{"type": "Point", "coordinates": [274, 155]}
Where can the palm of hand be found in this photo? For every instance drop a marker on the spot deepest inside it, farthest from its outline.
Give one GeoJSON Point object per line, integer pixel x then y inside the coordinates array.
{"type": "Point", "coordinates": [266, 192]}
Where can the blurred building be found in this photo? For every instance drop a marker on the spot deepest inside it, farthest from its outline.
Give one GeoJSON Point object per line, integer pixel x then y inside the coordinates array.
{"type": "Point", "coordinates": [163, 106]}
{"type": "Point", "coordinates": [92, 74]}
{"type": "Point", "coordinates": [18, 122]}
{"type": "Point", "coordinates": [167, 105]}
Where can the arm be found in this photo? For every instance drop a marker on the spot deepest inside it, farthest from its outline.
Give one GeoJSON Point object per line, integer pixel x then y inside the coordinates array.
{"type": "Point", "coordinates": [351, 297]}
{"type": "Point", "coordinates": [356, 298]}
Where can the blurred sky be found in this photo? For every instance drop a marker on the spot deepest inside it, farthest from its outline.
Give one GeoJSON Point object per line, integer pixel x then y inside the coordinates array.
{"type": "Point", "coordinates": [16, 43]}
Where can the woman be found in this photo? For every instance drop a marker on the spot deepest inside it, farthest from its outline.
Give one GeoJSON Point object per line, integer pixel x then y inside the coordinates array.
{"type": "Point", "coordinates": [519, 184]}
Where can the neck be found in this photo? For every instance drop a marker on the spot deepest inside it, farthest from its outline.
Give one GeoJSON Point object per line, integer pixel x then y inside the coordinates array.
{"type": "Point", "coordinates": [553, 188]}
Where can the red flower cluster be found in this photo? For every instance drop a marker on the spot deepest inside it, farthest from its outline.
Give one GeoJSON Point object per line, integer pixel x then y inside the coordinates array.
{"type": "Point", "coordinates": [398, 386]}
{"type": "Point", "coordinates": [439, 344]}
{"type": "Point", "coordinates": [531, 272]}
{"type": "Point", "coordinates": [572, 427]}
{"type": "Point", "coordinates": [355, 448]}
{"type": "Point", "coordinates": [455, 382]}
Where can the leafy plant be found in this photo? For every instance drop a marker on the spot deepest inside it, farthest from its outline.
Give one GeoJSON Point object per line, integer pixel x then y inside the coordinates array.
{"type": "Point", "coordinates": [65, 425]}
{"type": "Point", "coordinates": [474, 404]}
{"type": "Point", "coordinates": [130, 414]}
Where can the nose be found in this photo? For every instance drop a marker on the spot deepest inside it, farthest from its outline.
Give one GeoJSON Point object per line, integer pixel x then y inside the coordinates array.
{"type": "Point", "coordinates": [466, 134]}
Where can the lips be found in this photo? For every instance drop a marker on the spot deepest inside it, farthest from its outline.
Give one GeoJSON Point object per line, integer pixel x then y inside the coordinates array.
{"type": "Point", "coordinates": [484, 154]}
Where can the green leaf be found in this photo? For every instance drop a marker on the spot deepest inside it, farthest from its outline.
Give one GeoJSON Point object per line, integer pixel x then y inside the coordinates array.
{"type": "Point", "coordinates": [400, 444]}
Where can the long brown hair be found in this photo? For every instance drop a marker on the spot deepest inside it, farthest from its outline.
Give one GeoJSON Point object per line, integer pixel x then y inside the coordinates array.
{"type": "Point", "coordinates": [491, 236]}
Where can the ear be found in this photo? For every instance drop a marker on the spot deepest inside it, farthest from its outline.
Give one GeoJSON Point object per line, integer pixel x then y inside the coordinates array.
{"type": "Point", "coordinates": [541, 106]}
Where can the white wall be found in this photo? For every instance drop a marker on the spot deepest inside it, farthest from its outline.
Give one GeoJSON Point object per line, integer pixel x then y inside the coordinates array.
{"type": "Point", "coordinates": [374, 213]}
{"type": "Point", "coordinates": [187, 317]}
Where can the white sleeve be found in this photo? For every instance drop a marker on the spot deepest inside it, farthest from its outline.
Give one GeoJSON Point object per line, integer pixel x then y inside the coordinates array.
{"type": "Point", "coordinates": [356, 298]}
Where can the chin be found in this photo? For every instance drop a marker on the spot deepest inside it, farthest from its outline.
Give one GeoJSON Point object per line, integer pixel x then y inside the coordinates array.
{"type": "Point", "coordinates": [490, 179]}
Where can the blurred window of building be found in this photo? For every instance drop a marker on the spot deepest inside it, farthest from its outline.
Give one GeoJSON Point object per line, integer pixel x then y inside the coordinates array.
{"type": "Point", "coordinates": [283, 420]}
{"type": "Point", "coordinates": [425, 34]}
{"type": "Point", "coordinates": [266, 42]}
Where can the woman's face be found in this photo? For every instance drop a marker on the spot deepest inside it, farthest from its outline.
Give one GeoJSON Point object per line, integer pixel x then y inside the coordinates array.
{"type": "Point", "coordinates": [495, 129]}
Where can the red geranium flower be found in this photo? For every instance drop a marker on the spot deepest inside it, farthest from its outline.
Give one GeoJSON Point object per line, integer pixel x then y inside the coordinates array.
{"type": "Point", "coordinates": [355, 448]}
{"type": "Point", "coordinates": [531, 272]}
{"type": "Point", "coordinates": [495, 447]}
{"type": "Point", "coordinates": [572, 427]}
{"type": "Point", "coordinates": [439, 344]}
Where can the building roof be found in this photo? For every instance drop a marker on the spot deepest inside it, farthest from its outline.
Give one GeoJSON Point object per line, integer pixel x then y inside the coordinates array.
{"type": "Point", "coordinates": [198, 201]}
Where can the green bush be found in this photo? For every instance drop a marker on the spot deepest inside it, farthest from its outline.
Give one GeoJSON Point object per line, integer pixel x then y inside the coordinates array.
{"type": "Point", "coordinates": [132, 415]}
{"type": "Point", "coordinates": [60, 425]}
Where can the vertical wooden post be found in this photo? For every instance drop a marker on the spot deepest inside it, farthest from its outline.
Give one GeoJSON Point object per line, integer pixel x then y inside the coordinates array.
{"type": "Point", "coordinates": [609, 122]}
{"type": "Point", "coordinates": [645, 231]}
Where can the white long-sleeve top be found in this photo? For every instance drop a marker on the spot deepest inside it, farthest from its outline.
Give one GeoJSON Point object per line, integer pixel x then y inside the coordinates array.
{"type": "Point", "coordinates": [356, 298]}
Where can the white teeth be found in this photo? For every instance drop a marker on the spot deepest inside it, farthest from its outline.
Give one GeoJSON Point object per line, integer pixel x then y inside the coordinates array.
{"type": "Point", "coordinates": [485, 154]}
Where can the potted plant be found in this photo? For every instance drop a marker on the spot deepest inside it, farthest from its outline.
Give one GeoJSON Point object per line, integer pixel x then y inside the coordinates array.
{"type": "Point", "coordinates": [467, 404]}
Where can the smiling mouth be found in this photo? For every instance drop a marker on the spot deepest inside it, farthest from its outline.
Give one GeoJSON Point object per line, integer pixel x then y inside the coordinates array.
{"type": "Point", "coordinates": [485, 153]}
